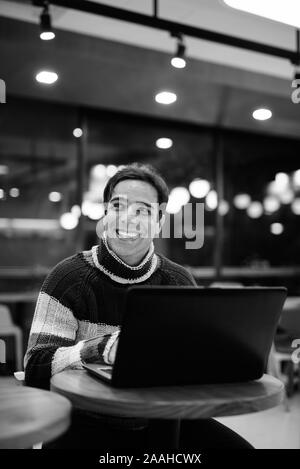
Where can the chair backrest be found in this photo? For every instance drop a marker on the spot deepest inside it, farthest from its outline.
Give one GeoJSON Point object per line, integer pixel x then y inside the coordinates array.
{"type": "Point", "coordinates": [5, 316]}
{"type": "Point", "coordinates": [226, 285]}
{"type": "Point", "coordinates": [290, 317]}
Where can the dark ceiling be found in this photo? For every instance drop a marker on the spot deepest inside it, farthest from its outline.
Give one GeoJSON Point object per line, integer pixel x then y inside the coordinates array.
{"type": "Point", "coordinates": [103, 74]}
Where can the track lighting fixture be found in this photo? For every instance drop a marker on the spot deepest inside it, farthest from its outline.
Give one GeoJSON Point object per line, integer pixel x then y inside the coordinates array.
{"type": "Point", "coordinates": [178, 60]}
{"type": "Point", "coordinates": [46, 33]}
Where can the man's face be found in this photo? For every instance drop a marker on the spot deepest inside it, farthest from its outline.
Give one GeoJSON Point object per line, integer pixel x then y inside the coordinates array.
{"type": "Point", "coordinates": [132, 218]}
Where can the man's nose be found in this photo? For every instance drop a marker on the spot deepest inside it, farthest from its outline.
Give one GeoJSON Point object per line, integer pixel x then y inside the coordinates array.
{"type": "Point", "coordinates": [130, 216]}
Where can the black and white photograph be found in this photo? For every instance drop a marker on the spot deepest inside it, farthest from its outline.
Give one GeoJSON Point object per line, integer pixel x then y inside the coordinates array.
{"type": "Point", "coordinates": [149, 230]}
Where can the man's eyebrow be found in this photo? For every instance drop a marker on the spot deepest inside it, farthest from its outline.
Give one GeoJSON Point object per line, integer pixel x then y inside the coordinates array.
{"type": "Point", "coordinates": [118, 197]}
{"type": "Point", "coordinates": [144, 203]}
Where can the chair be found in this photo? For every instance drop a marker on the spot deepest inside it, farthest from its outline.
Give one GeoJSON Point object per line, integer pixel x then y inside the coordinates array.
{"type": "Point", "coordinates": [226, 285]}
{"type": "Point", "coordinates": [7, 329]}
{"type": "Point", "coordinates": [289, 329]}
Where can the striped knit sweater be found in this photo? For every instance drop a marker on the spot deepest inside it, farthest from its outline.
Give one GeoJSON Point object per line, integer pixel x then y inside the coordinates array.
{"type": "Point", "coordinates": [79, 309]}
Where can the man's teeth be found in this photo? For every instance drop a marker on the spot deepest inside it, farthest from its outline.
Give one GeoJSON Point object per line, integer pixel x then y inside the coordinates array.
{"type": "Point", "coordinates": [125, 234]}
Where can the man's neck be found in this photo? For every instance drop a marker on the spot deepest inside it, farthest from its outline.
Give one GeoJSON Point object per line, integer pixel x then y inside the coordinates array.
{"type": "Point", "coordinates": [132, 260]}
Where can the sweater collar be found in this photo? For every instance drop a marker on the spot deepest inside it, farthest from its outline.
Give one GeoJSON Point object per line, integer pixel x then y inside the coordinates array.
{"type": "Point", "coordinates": [111, 265]}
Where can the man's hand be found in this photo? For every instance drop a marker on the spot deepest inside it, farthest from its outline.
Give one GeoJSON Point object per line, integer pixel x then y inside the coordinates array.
{"type": "Point", "coordinates": [113, 351]}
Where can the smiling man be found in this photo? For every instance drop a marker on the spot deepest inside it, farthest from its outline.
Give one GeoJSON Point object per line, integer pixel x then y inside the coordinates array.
{"type": "Point", "coordinates": [79, 309]}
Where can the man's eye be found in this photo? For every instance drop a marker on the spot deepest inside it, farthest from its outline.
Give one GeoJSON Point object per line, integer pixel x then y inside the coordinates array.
{"type": "Point", "coordinates": [143, 211]}
{"type": "Point", "coordinates": [117, 205]}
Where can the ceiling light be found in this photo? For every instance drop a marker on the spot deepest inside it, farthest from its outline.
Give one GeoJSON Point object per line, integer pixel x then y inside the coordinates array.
{"type": "Point", "coordinates": [96, 211]}
{"type": "Point", "coordinates": [54, 196]}
{"type": "Point", "coordinates": [164, 143]}
{"type": "Point", "coordinates": [14, 192]}
{"type": "Point", "coordinates": [2, 194]}
{"type": "Point", "coordinates": [76, 210]}
{"type": "Point", "coordinates": [296, 206]}
{"type": "Point", "coordinates": [255, 210]}
{"type": "Point", "coordinates": [99, 171]}
{"type": "Point", "coordinates": [199, 188]}
{"type": "Point", "coordinates": [211, 200]}
{"type": "Point", "coordinates": [276, 228]}
{"type": "Point", "coordinates": [280, 185]}
{"type": "Point", "coordinates": [271, 204]}
{"type": "Point", "coordinates": [282, 179]}
{"type": "Point", "coordinates": [165, 97]}
{"type": "Point", "coordinates": [173, 206]}
{"type": "Point", "coordinates": [296, 178]}
{"type": "Point", "coordinates": [179, 196]}
{"type": "Point", "coordinates": [3, 169]}
{"type": "Point", "coordinates": [262, 114]}
{"type": "Point", "coordinates": [111, 170]}
{"type": "Point", "coordinates": [242, 201]}
{"type": "Point", "coordinates": [286, 197]}
{"type": "Point", "coordinates": [77, 132]}
{"type": "Point", "coordinates": [287, 11]}
{"type": "Point", "coordinates": [178, 60]}
{"type": "Point", "coordinates": [223, 208]}
{"type": "Point", "coordinates": [68, 221]}
{"type": "Point", "coordinates": [46, 77]}
{"type": "Point", "coordinates": [45, 25]}
{"type": "Point", "coordinates": [92, 210]}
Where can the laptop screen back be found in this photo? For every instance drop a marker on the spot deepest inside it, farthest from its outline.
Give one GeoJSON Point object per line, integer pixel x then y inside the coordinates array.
{"type": "Point", "coordinates": [188, 335]}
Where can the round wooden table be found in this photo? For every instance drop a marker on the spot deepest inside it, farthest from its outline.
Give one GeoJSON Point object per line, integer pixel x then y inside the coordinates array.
{"type": "Point", "coordinates": [30, 415]}
{"type": "Point", "coordinates": [171, 403]}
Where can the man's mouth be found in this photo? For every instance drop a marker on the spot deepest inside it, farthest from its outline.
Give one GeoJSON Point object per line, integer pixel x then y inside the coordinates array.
{"type": "Point", "coordinates": [127, 234]}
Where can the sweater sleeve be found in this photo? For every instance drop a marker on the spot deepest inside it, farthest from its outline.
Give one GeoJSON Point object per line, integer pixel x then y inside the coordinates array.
{"type": "Point", "coordinates": [52, 343]}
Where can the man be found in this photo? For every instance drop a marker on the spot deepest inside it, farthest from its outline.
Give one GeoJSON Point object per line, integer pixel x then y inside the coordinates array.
{"type": "Point", "coordinates": [79, 309]}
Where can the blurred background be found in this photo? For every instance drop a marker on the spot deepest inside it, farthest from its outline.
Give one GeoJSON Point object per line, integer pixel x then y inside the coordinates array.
{"type": "Point", "coordinates": [95, 93]}
{"type": "Point", "coordinates": [200, 89]}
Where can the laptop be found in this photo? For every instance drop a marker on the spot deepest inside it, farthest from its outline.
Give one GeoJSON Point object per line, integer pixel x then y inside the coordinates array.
{"type": "Point", "coordinates": [189, 335]}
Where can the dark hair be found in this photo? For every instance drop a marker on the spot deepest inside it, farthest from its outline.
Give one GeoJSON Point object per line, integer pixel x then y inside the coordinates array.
{"type": "Point", "coordinates": [141, 172]}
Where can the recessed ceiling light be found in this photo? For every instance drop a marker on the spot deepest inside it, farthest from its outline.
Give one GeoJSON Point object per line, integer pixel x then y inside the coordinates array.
{"type": "Point", "coordinates": [271, 204]}
{"type": "Point", "coordinates": [287, 11]}
{"type": "Point", "coordinates": [76, 210]}
{"type": "Point", "coordinates": [178, 62]}
{"type": "Point", "coordinates": [165, 97]}
{"type": "Point", "coordinates": [46, 77]}
{"type": "Point", "coordinates": [77, 132]}
{"type": "Point", "coordinates": [276, 228]}
{"type": "Point", "coordinates": [255, 210]}
{"type": "Point", "coordinates": [262, 114]}
{"type": "Point", "coordinates": [111, 170]}
{"type": "Point", "coordinates": [68, 221]}
{"type": "Point", "coordinates": [55, 196]}
{"type": "Point", "coordinates": [99, 171]}
{"type": "Point", "coordinates": [179, 196]}
{"type": "Point", "coordinates": [3, 169]}
{"type": "Point", "coordinates": [47, 35]}
{"type": "Point", "coordinates": [242, 201]}
{"type": "Point", "coordinates": [211, 200]}
{"type": "Point", "coordinates": [164, 143]}
{"type": "Point", "coordinates": [199, 188]}
{"type": "Point", "coordinates": [296, 206]}
{"type": "Point", "coordinates": [14, 192]}
{"type": "Point", "coordinates": [223, 208]}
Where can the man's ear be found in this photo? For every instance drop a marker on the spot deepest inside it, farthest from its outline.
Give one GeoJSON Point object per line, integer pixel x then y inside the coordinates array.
{"type": "Point", "coordinates": [162, 222]}
{"type": "Point", "coordinates": [104, 219]}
